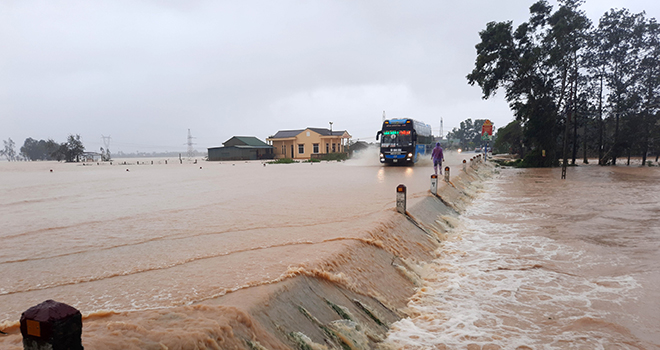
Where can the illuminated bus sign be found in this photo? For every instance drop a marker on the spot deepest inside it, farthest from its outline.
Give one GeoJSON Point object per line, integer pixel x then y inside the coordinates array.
{"type": "Point", "coordinates": [396, 132]}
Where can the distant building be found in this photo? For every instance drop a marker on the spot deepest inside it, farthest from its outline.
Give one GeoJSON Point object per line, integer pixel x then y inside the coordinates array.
{"type": "Point", "coordinates": [308, 143]}
{"type": "Point", "coordinates": [90, 157]}
{"type": "Point", "coordinates": [241, 148]}
{"type": "Point", "coordinates": [358, 146]}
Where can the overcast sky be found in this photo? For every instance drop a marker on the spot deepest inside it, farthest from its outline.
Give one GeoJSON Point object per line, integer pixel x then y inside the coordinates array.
{"type": "Point", "coordinates": [144, 72]}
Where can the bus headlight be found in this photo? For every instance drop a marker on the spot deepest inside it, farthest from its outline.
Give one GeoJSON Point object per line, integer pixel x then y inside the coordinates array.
{"type": "Point", "coordinates": [410, 155]}
{"type": "Point", "coordinates": [381, 155]}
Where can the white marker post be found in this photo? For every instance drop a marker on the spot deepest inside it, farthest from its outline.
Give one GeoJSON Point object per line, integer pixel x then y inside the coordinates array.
{"type": "Point", "coordinates": [464, 165]}
{"type": "Point", "coordinates": [447, 174]}
{"type": "Point", "coordinates": [401, 199]}
{"type": "Point", "coordinates": [434, 184]}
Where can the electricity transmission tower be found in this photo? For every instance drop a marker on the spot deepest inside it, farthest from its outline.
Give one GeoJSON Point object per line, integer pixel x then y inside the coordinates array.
{"type": "Point", "coordinates": [106, 143]}
{"type": "Point", "coordinates": [190, 144]}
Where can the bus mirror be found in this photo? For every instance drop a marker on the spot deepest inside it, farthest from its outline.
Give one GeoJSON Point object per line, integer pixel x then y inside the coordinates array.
{"type": "Point", "coordinates": [378, 134]}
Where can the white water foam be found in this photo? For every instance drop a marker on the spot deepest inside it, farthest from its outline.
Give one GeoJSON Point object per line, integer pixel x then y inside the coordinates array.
{"type": "Point", "coordinates": [496, 284]}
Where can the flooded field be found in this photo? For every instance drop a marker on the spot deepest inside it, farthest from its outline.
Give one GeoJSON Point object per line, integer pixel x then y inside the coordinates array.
{"type": "Point", "coordinates": [541, 263]}
{"type": "Point", "coordinates": [151, 236]}
{"type": "Point", "coordinates": [177, 255]}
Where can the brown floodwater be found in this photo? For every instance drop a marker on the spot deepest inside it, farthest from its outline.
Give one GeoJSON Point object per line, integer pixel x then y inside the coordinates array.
{"type": "Point", "coordinates": [108, 238]}
{"type": "Point", "coordinates": [542, 263]}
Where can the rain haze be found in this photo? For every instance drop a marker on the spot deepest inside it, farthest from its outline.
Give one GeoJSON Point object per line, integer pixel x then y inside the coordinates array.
{"type": "Point", "coordinates": [146, 72]}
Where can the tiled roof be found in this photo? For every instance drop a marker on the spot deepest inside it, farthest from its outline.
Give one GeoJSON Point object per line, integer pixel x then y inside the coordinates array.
{"type": "Point", "coordinates": [283, 134]}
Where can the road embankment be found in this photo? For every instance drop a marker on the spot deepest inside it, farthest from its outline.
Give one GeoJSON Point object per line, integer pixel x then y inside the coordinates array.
{"type": "Point", "coordinates": [345, 299]}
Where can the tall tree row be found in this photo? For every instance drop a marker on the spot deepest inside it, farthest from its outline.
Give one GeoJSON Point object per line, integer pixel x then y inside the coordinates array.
{"type": "Point", "coordinates": [574, 85]}
{"type": "Point", "coordinates": [69, 151]}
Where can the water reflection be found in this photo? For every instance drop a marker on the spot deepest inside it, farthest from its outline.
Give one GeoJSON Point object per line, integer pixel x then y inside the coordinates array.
{"type": "Point", "coordinates": [381, 175]}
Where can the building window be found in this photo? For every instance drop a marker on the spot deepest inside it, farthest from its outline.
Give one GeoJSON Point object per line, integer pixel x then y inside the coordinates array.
{"type": "Point", "coordinates": [327, 148]}
{"type": "Point", "coordinates": [308, 134]}
{"type": "Point", "coordinates": [301, 149]}
{"type": "Point", "coordinates": [316, 148]}
{"type": "Point", "coordinates": [284, 150]}
{"type": "Point", "coordinates": [333, 148]}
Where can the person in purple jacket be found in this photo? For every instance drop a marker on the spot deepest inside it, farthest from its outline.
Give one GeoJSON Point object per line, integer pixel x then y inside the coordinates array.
{"type": "Point", "coordinates": [437, 157]}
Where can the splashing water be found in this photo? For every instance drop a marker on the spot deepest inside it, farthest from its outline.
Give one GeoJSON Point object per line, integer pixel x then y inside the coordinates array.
{"type": "Point", "coordinates": [540, 263]}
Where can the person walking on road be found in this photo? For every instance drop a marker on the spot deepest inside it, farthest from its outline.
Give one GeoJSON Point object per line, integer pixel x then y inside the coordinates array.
{"type": "Point", "coordinates": [437, 157]}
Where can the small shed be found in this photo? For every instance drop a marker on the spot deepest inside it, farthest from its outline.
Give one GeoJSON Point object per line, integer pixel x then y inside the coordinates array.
{"type": "Point", "coordinates": [241, 148]}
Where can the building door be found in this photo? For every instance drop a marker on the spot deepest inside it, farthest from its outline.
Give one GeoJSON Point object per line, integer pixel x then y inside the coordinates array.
{"type": "Point", "coordinates": [291, 151]}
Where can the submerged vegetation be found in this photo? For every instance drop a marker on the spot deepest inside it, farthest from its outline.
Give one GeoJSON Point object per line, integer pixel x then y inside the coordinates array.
{"type": "Point", "coordinates": [573, 85]}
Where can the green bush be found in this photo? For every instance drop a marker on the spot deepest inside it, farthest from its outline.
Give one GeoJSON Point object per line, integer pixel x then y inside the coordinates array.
{"type": "Point", "coordinates": [535, 159]}
{"type": "Point", "coordinates": [282, 161]}
{"type": "Point", "coordinates": [334, 156]}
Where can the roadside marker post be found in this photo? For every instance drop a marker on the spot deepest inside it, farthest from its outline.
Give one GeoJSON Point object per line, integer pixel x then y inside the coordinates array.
{"type": "Point", "coordinates": [401, 199]}
{"type": "Point", "coordinates": [464, 165]}
{"type": "Point", "coordinates": [434, 184]}
{"type": "Point", "coordinates": [51, 325]}
{"type": "Point", "coordinates": [447, 174]}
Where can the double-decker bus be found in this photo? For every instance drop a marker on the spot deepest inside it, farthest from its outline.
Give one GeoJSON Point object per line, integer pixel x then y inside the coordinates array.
{"type": "Point", "coordinates": [403, 141]}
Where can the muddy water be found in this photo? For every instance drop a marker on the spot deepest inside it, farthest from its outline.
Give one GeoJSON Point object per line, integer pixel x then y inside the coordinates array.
{"type": "Point", "coordinates": [541, 263]}
{"type": "Point", "coordinates": [153, 236]}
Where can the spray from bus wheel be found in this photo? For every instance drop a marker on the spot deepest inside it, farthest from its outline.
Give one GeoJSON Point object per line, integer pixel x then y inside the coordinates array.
{"type": "Point", "coordinates": [404, 141]}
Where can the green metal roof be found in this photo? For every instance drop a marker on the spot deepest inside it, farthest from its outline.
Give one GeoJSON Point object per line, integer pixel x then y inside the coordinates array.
{"type": "Point", "coordinates": [248, 141]}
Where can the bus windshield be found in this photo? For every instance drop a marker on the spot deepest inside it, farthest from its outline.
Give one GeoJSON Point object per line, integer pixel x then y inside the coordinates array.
{"type": "Point", "coordinates": [396, 138]}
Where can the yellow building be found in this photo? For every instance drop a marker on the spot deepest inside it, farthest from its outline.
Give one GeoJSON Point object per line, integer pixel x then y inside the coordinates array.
{"type": "Point", "coordinates": [308, 143]}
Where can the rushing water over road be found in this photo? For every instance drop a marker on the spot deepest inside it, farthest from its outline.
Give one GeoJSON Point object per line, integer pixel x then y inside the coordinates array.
{"type": "Point", "coordinates": [541, 263]}
{"type": "Point", "coordinates": [154, 235]}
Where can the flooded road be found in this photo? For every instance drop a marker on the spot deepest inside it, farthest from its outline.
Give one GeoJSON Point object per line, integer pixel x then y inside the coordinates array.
{"type": "Point", "coordinates": [134, 237]}
{"type": "Point", "coordinates": [541, 263]}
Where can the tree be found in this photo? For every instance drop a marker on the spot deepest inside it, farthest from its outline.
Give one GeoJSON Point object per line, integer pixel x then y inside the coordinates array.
{"type": "Point", "coordinates": [73, 148]}
{"type": "Point", "coordinates": [536, 65]}
{"type": "Point", "coordinates": [60, 153]}
{"type": "Point", "coordinates": [619, 32]}
{"type": "Point", "coordinates": [30, 149]}
{"type": "Point", "coordinates": [648, 87]}
{"type": "Point", "coordinates": [38, 150]}
{"type": "Point", "coordinates": [469, 133]}
{"type": "Point", "coordinates": [509, 139]}
{"type": "Point", "coordinates": [105, 155]}
{"type": "Point", "coordinates": [595, 65]}
{"type": "Point", "coordinates": [9, 152]}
